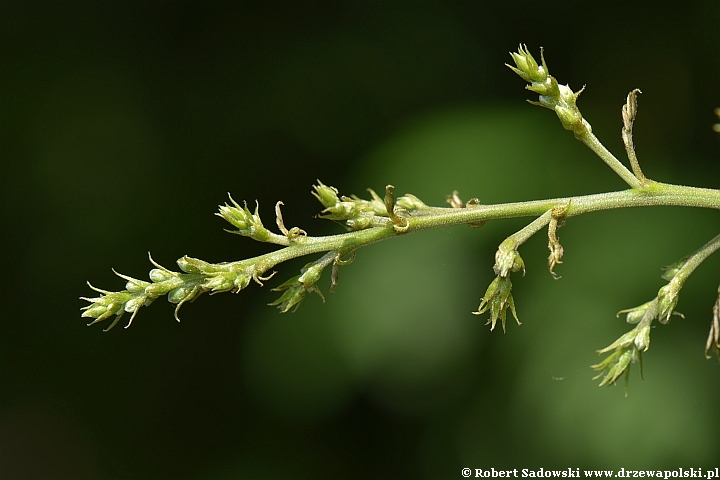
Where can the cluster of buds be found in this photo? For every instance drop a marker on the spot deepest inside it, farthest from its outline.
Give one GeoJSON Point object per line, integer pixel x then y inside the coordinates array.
{"type": "Point", "coordinates": [198, 277]}
{"type": "Point", "coordinates": [617, 363]}
{"type": "Point", "coordinates": [556, 97]}
{"type": "Point", "coordinates": [498, 296]}
{"type": "Point", "coordinates": [628, 348]}
{"type": "Point", "coordinates": [248, 224]}
{"type": "Point", "coordinates": [358, 213]}
{"type": "Point", "coordinates": [222, 277]}
{"type": "Point", "coordinates": [294, 290]}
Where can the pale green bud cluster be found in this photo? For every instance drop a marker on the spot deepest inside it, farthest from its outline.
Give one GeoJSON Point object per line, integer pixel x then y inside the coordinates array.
{"type": "Point", "coordinates": [617, 363]}
{"type": "Point", "coordinates": [358, 213]}
{"type": "Point", "coordinates": [497, 299]}
{"type": "Point", "coordinates": [668, 297]}
{"type": "Point", "coordinates": [629, 348]}
{"type": "Point", "coordinates": [294, 290]}
{"type": "Point", "coordinates": [498, 296]}
{"type": "Point", "coordinates": [198, 277]}
{"type": "Point", "coordinates": [559, 98]}
{"type": "Point", "coordinates": [248, 224]}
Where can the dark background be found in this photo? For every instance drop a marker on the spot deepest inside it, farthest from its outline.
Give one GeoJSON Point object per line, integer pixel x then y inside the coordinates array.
{"type": "Point", "coordinates": [124, 124]}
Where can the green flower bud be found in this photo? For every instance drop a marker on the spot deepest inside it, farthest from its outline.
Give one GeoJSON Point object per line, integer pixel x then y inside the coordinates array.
{"type": "Point", "coordinates": [375, 206]}
{"type": "Point", "coordinates": [182, 294]}
{"type": "Point", "coordinates": [668, 297]}
{"type": "Point", "coordinates": [241, 281]}
{"type": "Point", "coordinates": [713, 340]}
{"type": "Point", "coordinates": [106, 305]}
{"type": "Point", "coordinates": [341, 211]}
{"type": "Point", "coordinates": [569, 117]}
{"type": "Point", "coordinates": [623, 342]}
{"type": "Point", "coordinates": [328, 196]}
{"type": "Point", "coordinates": [634, 315]}
{"type": "Point", "coordinates": [311, 273]}
{"type": "Point", "coordinates": [135, 286]}
{"type": "Point", "coordinates": [291, 298]}
{"type": "Point", "coordinates": [507, 259]}
{"type": "Point", "coordinates": [642, 338]}
{"type": "Point", "coordinates": [220, 282]}
{"type": "Point", "coordinates": [498, 298]}
{"type": "Point", "coordinates": [194, 265]}
{"type": "Point", "coordinates": [157, 275]}
{"type": "Point", "coordinates": [296, 287]}
{"type": "Point", "coordinates": [248, 224]}
{"type": "Point", "coordinates": [161, 288]}
{"type": "Point", "coordinates": [359, 222]}
{"type": "Point", "coordinates": [236, 215]}
{"type": "Point", "coordinates": [134, 303]}
{"type": "Point", "coordinates": [527, 67]}
{"type": "Point", "coordinates": [96, 310]}
{"type": "Point", "coordinates": [549, 88]}
{"type": "Point", "coordinates": [615, 364]}
{"type": "Point", "coordinates": [410, 202]}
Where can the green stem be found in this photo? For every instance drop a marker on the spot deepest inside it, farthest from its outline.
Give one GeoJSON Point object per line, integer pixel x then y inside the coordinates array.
{"type": "Point", "coordinates": [594, 144]}
{"type": "Point", "coordinates": [531, 229]}
{"type": "Point", "coordinates": [696, 259]}
{"type": "Point", "coordinates": [653, 194]}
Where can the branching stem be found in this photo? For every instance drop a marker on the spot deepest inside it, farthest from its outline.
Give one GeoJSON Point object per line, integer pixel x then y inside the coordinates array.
{"type": "Point", "coordinates": [594, 144]}
{"type": "Point", "coordinates": [653, 194]}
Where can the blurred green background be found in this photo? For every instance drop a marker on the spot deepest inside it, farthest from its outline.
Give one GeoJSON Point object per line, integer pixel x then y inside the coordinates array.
{"type": "Point", "coordinates": [124, 124]}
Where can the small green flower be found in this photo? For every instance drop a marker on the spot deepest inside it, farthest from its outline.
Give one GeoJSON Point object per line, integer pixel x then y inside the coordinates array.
{"type": "Point", "coordinates": [498, 298]}
{"type": "Point", "coordinates": [357, 213]}
{"type": "Point", "coordinates": [359, 223]}
{"type": "Point", "coordinates": [642, 338]}
{"type": "Point", "coordinates": [623, 342]}
{"type": "Point", "coordinates": [527, 67]}
{"type": "Point", "coordinates": [196, 266]}
{"type": "Point", "coordinates": [294, 290]}
{"type": "Point", "coordinates": [247, 224]}
{"type": "Point", "coordinates": [629, 347]}
{"type": "Point", "coordinates": [410, 202]}
{"type": "Point", "coordinates": [328, 196]}
{"type": "Point", "coordinates": [618, 363]}
{"type": "Point", "coordinates": [634, 315]}
{"type": "Point", "coordinates": [106, 305]}
{"type": "Point", "coordinates": [569, 117]}
{"type": "Point", "coordinates": [668, 297]}
{"type": "Point", "coordinates": [114, 303]}
{"type": "Point", "coordinates": [507, 258]}
{"type": "Point", "coordinates": [559, 98]}
{"type": "Point", "coordinates": [183, 293]}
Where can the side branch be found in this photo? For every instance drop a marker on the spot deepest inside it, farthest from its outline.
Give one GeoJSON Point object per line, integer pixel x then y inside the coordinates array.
{"type": "Point", "coordinates": [654, 194]}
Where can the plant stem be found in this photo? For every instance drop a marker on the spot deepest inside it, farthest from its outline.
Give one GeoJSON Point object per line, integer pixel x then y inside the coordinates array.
{"type": "Point", "coordinates": [589, 139]}
{"type": "Point", "coordinates": [696, 259]}
{"type": "Point", "coordinates": [652, 194]}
